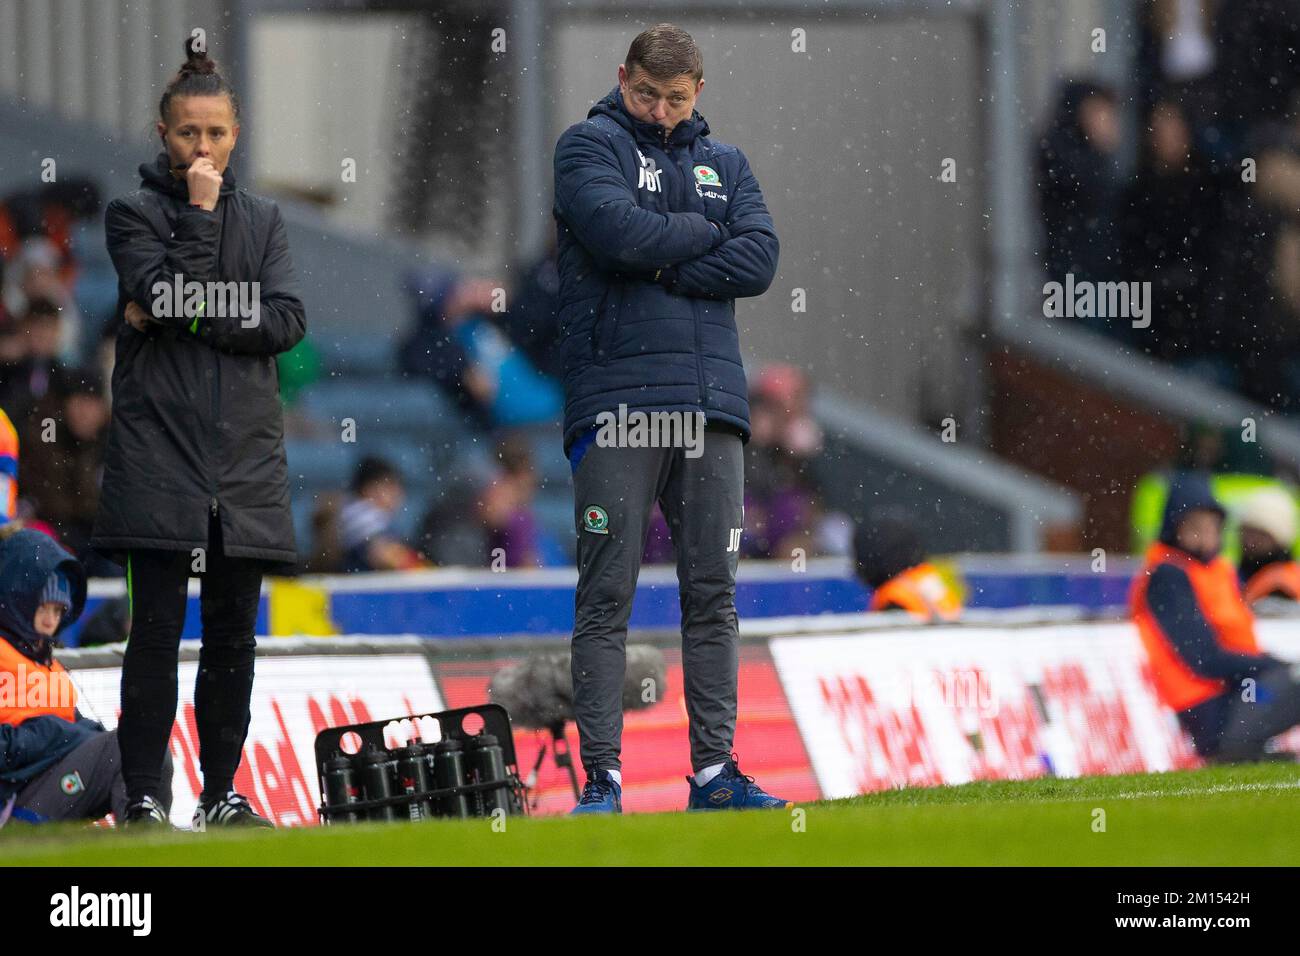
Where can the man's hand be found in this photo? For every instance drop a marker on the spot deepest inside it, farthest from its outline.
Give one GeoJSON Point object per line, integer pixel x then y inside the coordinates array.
{"type": "Point", "coordinates": [137, 317]}
{"type": "Point", "coordinates": [204, 182]}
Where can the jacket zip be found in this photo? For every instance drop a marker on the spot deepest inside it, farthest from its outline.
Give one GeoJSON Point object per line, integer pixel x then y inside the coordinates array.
{"type": "Point", "coordinates": [216, 404]}
{"type": "Point", "coordinates": [699, 355]}
{"type": "Point", "coordinates": [695, 312]}
{"type": "Point", "coordinates": [216, 411]}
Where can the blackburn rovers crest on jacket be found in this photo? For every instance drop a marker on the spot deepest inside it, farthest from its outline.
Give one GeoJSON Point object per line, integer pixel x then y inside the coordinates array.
{"type": "Point", "coordinates": [706, 175]}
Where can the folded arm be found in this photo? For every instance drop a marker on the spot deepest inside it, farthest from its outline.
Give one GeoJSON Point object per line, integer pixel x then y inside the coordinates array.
{"type": "Point", "coordinates": [147, 264]}
{"type": "Point", "coordinates": [280, 320]}
{"type": "Point", "coordinates": [595, 201]}
{"type": "Point", "coordinates": [745, 263]}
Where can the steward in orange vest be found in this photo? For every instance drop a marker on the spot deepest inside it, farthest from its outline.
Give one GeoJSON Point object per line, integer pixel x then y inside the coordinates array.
{"type": "Point", "coordinates": [1279, 579]}
{"type": "Point", "coordinates": [1198, 633]}
{"type": "Point", "coordinates": [42, 590]}
{"type": "Point", "coordinates": [922, 591]}
{"type": "Point", "coordinates": [1268, 529]}
{"type": "Point", "coordinates": [891, 561]}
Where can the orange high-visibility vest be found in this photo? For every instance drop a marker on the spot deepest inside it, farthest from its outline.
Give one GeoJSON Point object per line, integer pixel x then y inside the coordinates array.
{"type": "Point", "coordinates": [1218, 594]}
{"type": "Point", "coordinates": [921, 591]}
{"type": "Point", "coordinates": [30, 689]}
{"type": "Point", "coordinates": [1280, 577]}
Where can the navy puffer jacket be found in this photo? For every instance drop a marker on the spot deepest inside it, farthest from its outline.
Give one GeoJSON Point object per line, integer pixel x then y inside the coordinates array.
{"type": "Point", "coordinates": [630, 204]}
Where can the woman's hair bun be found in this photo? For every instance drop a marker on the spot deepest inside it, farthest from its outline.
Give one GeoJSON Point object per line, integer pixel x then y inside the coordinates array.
{"type": "Point", "coordinates": [196, 58]}
{"type": "Point", "coordinates": [198, 76]}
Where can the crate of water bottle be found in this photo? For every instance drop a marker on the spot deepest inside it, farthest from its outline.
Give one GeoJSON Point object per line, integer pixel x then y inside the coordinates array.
{"type": "Point", "coordinates": [453, 763]}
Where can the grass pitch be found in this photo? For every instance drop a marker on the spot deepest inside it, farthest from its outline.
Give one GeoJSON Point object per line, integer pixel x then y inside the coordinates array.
{"type": "Point", "coordinates": [1219, 816]}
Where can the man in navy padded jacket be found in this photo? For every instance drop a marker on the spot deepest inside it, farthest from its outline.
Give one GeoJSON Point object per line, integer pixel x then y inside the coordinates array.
{"type": "Point", "coordinates": [660, 228]}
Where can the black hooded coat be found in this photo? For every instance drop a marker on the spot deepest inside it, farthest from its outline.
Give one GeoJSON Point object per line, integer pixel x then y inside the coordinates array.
{"type": "Point", "coordinates": [197, 427]}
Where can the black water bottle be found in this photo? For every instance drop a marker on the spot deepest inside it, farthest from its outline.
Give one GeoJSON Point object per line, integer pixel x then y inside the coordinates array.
{"type": "Point", "coordinates": [339, 785]}
{"type": "Point", "coordinates": [376, 771]}
{"type": "Point", "coordinates": [487, 764]}
{"type": "Point", "coordinates": [448, 772]}
{"type": "Point", "coordinates": [413, 779]}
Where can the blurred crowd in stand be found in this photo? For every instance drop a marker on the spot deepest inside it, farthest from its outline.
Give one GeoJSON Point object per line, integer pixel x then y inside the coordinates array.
{"type": "Point", "coordinates": [496, 367]}
{"type": "Point", "coordinates": [1203, 202]}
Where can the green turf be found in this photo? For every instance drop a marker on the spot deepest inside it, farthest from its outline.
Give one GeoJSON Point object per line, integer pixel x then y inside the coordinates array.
{"type": "Point", "coordinates": [1243, 815]}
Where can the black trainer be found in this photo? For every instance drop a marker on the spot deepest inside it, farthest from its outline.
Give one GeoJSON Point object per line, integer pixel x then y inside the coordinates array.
{"type": "Point", "coordinates": [145, 813]}
{"type": "Point", "coordinates": [229, 810]}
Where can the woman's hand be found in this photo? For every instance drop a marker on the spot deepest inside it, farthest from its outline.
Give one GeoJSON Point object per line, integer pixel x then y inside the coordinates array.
{"type": "Point", "coordinates": [137, 317]}
{"type": "Point", "coordinates": [204, 183]}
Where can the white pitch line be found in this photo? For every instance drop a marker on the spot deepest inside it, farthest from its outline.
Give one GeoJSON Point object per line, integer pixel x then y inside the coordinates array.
{"type": "Point", "coordinates": [1140, 794]}
{"type": "Point", "coordinates": [1218, 788]}
{"type": "Point", "coordinates": [1082, 798]}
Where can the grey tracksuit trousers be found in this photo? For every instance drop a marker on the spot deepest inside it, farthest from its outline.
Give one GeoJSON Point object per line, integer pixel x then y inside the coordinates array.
{"type": "Point", "coordinates": [702, 499]}
{"type": "Point", "coordinates": [87, 783]}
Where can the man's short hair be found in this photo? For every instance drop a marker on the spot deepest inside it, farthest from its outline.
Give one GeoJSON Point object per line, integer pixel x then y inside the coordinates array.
{"type": "Point", "coordinates": [665, 51]}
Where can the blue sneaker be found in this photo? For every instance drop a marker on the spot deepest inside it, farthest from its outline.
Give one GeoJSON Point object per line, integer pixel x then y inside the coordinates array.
{"type": "Point", "coordinates": [602, 794]}
{"type": "Point", "coordinates": [732, 790]}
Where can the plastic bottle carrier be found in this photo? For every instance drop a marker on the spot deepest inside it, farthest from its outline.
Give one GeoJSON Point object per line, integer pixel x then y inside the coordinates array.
{"type": "Point", "coordinates": [453, 763]}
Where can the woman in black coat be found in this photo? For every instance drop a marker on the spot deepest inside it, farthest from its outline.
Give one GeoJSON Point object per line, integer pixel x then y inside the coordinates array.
{"type": "Point", "coordinates": [195, 481]}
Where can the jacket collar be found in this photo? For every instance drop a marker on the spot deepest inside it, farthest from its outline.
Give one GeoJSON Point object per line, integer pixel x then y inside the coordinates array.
{"type": "Point", "coordinates": [683, 134]}
{"type": "Point", "coordinates": [158, 177]}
